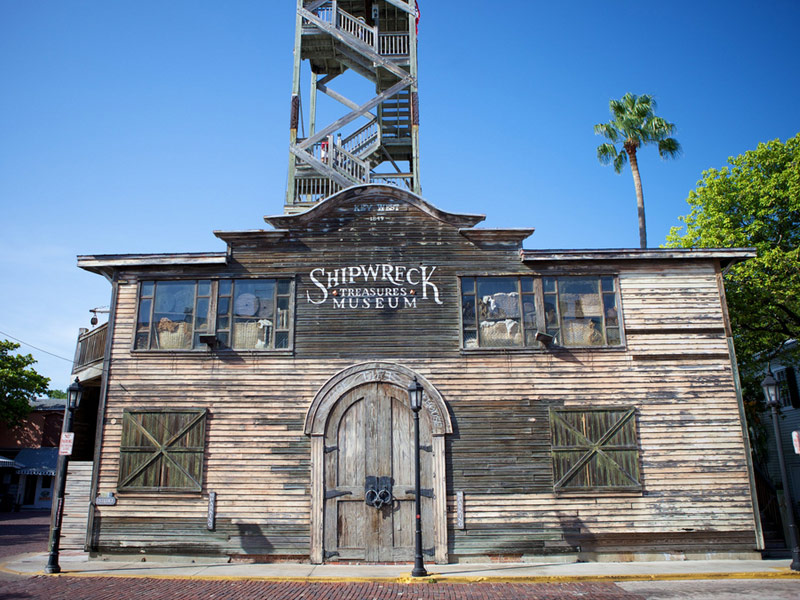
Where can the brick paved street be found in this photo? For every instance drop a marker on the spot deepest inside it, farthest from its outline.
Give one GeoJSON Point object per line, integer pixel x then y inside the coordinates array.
{"type": "Point", "coordinates": [23, 532]}
{"type": "Point", "coordinates": [91, 588]}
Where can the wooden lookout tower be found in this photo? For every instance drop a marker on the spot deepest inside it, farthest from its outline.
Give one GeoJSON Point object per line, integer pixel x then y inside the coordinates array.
{"type": "Point", "coordinates": [376, 139]}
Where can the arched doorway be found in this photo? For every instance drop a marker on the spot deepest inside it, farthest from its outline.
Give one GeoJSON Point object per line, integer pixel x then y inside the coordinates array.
{"type": "Point", "coordinates": [361, 430]}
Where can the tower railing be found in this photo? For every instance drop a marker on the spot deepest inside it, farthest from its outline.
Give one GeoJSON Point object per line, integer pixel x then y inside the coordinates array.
{"type": "Point", "coordinates": [393, 44]}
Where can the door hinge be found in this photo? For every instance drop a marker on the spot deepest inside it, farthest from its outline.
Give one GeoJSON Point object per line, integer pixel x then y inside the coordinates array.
{"type": "Point", "coordinates": [429, 551]}
{"type": "Point", "coordinates": [328, 554]}
{"type": "Point", "coordinates": [329, 449]}
{"type": "Point", "coordinates": [425, 492]}
{"type": "Point", "coordinates": [426, 448]}
{"type": "Point", "coordinates": [335, 494]}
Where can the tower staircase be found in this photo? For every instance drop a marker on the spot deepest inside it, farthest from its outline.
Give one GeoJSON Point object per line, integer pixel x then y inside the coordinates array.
{"type": "Point", "coordinates": [376, 139]}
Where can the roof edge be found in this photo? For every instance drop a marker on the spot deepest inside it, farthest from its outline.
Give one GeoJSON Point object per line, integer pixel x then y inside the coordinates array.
{"type": "Point", "coordinates": [726, 256]}
{"type": "Point", "coordinates": [366, 190]}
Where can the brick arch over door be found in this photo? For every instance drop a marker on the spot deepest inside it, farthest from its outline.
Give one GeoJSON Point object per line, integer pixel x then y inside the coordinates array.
{"type": "Point", "coordinates": [315, 426]}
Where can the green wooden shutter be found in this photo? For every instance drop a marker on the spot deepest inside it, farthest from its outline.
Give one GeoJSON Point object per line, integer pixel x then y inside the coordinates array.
{"type": "Point", "coordinates": [595, 449]}
{"type": "Point", "coordinates": [162, 450]}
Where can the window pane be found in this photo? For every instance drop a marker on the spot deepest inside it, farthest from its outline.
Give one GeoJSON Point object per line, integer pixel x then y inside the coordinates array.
{"type": "Point", "coordinates": [253, 309]}
{"type": "Point", "coordinates": [499, 312]}
{"type": "Point", "coordinates": [612, 334]}
{"type": "Point", "coordinates": [284, 286]}
{"type": "Point", "coordinates": [549, 284]}
{"type": "Point", "coordinates": [173, 314]}
{"type": "Point", "coordinates": [201, 323]}
{"type": "Point", "coordinates": [225, 286]}
{"type": "Point", "coordinates": [608, 284]}
{"type": "Point", "coordinates": [610, 308]}
{"type": "Point", "coordinates": [282, 339]}
{"type": "Point", "coordinates": [582, 332]}
{"type": "Point", "coordinates": [579, 297]}
{"type": "Point", "coordinates": [143, 324]}
{"type": "Point", "coordinates": [147, 288]}
{"type": "Point", "coordinates": [468, 285]}
{"type": "Point", "coordinates": [468, 311]}
{"type": "Point", "coordinates": [529, 311]}
{"type": "Point", "coordinates": [526, 283]}
{"type": "Point", "coordinates": [204, 288]}
{"type": "Point", "coordinates": [470, 339]}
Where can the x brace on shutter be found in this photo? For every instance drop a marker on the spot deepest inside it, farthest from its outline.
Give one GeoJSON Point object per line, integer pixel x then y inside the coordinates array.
{"type": "Point", "coordinates": [161, 450]}
{"type": "Point", "coordinates": [594, 448]}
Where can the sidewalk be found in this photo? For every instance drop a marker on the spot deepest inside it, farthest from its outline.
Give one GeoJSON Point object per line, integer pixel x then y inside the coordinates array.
{"type": "Point", "coordinates": [79, 564]}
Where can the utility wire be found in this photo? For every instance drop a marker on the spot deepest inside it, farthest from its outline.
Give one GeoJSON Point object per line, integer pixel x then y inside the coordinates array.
{"type": "Point", "coordinates": [69, 360]}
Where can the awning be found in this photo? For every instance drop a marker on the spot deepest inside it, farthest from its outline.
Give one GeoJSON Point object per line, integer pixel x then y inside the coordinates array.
{"type": "Point", "coordinates": [50, 472]}
{"type": "Point", "coordinates": [37, 461]}
{"type": "Point", "coordinates": [7, 463]}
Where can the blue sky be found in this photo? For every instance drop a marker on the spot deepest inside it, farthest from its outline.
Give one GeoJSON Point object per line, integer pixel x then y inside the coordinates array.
{"type": "Point", "coordinates": [142, 126]}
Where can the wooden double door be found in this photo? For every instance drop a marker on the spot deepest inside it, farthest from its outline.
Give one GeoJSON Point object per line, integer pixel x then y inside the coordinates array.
{"type": "Point", "coordinates": [369, 476]}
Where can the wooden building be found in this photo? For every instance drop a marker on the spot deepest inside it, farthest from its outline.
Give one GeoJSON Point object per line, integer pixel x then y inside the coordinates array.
{"type": "Point", "coordinates": [577, 403]}
{"type": "Point", "coordinates": [253, 402]}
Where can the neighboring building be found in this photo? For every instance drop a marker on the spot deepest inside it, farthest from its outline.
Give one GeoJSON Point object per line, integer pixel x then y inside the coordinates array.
{"type": "Point", "coordinates": [264, 387]}
{"type": "Point", "coordinates": [785, 374]}
{"type": "Point", "coordinates": [30, 452]}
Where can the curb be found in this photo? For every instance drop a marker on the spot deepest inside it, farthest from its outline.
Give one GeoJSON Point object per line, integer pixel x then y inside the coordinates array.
{"type": "Point", "coordinates": [434, 578]}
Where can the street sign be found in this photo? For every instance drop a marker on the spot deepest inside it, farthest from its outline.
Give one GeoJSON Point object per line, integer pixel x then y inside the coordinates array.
{"type": "Point", "coordinates": [796, 441]}
{"type": "Point", "coordinates": [67, 439]}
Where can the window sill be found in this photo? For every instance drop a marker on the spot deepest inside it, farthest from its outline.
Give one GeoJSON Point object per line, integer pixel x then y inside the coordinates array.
{"type": "Point", "coordinates": [217, 351]}
{"type": "Point", "coordinates": [599, 492]}
{"type": "Point", "coordinates": [149, 493]}
{"type": "Point", "coordinates": [553, 350]}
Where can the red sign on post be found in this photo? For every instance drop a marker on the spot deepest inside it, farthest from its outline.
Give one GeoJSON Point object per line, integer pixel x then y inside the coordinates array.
{"type": "Point", "coordinates": [796, 441]}
{"type": "Point", "coordinates": [67, 439]}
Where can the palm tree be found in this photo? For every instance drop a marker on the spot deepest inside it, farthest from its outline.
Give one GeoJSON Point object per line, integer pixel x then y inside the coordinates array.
{"type": "Point", "coordinates": [635, 125]}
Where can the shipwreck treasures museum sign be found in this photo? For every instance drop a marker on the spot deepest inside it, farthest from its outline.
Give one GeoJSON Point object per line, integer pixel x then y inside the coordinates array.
{"type": "Point", "coordinates": [374, 286]}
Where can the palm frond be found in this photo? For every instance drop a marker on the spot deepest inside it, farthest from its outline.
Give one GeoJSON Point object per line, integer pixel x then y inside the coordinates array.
{"type": "Point", "coordinates": [607, 153]}
{"type": "Point", "coordinates": [608, 131]}
{"type": "Point", "coordinates": [669, 148]}
{"type": "Point", "coordinates": [619, 161]}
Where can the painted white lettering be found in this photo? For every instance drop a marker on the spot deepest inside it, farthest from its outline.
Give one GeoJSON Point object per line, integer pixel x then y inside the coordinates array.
{"type": "Point", "coordinates": [408, 276]}
{"type": "Point", "coordinates": [338, 303]}
{"type": "Point", "coordinates": [426, 282]}
{"type": "Point", "coordinates": [410, 302]}
{"type": "Point", "coordinates": [379, 302]}
{"type": "Point", "coordinates": [394, 302]}
{"type": "Point", "coordinates": [317, 283]}
{"type": "Point", "coordinates": [370, 271]}
{"type": "Point", "coordinates": [354, 272]}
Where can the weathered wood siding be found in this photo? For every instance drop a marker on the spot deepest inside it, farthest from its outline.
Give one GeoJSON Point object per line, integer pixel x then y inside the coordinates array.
{"type": "Point", "coordinates": [674, 370]}
{"type": "Point", "coordinates": [76, 505]}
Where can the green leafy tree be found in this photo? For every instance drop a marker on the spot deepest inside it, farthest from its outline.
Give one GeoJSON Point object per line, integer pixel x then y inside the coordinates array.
{"type": "Point", "coordinates": [754, 202]}
{"type": "Point", "coordinates": [57, 394]}
{"type": "Point", "coordinates": [19, 384]}
{"type": "Point", "coordinates": [634, 124]}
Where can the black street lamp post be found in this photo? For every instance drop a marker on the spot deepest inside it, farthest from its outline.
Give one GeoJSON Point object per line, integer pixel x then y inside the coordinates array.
{"type": "Point", "coordinates": [770, 387]}
{"type": "Point", "coordinates": [415, 399]}
{"type": "Point", "coordinates": [73, 401]}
